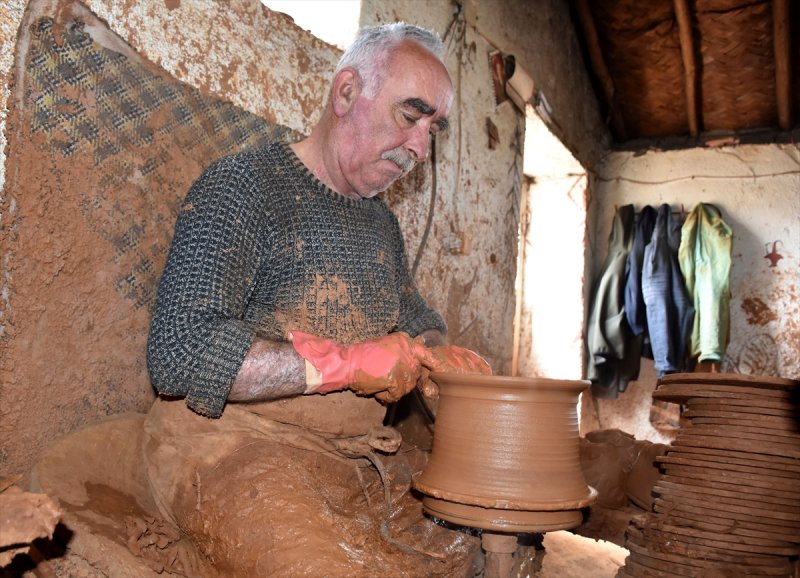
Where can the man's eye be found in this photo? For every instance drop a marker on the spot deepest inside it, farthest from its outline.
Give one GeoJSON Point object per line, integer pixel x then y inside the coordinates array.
{"type": "Point", "coordinates": [410, 119]}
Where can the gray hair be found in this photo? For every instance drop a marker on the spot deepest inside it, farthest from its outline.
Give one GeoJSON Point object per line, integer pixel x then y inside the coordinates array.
{"type": "Point", "coordinates": [371, 48]}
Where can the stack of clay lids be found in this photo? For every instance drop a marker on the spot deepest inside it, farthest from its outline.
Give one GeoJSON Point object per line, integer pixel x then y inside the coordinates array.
{"type": "Point", "coordinates": [728, 499]}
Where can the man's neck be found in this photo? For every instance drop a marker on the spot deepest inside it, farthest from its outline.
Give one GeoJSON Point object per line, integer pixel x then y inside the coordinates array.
{"type": "Point", "coordinates": [311, 152]}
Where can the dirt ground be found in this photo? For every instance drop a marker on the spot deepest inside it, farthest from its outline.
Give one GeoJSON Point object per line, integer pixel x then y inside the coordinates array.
{"type": "Point", "coordinates": [566, 555]}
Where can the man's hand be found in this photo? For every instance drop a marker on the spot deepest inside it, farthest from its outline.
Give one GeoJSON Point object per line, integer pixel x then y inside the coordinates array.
{"type": "Point", "coordinates": [454, 359]}
{"type": "Point", "coordinates": [449, 359]}
{"type": "Point", "coordinates": [387, 367]}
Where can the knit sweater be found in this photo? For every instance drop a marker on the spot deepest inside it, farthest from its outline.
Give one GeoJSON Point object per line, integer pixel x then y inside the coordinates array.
{"type": "Point", "coordinates": [261, 247]}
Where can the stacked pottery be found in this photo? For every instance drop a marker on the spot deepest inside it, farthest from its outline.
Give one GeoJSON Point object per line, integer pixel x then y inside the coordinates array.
{"type": "Point", "coordinates": [506, 454]}
{"type": "Point", "coordinates": [728, 500]}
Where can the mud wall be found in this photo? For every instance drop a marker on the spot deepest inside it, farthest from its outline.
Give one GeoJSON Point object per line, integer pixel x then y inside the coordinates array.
{"type": "Point", "coordinates": [469, 229]}
{"type": "Point", "coordinates": [108, 118]}
{"type": "Point", "coordinates": [116, 106]}
{"type": "Point", "coordinates": [757, 189]}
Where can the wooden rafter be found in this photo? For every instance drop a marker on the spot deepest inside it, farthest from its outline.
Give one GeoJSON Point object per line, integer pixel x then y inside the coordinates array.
{"type": "Point", "coordinates": [689, 67]}
{"type": "Point", "coordinates": [599, 66]}
{"type": "Point", "coordinates": [780, 25]}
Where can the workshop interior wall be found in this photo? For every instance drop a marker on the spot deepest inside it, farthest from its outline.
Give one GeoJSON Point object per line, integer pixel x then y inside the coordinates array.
{"type": "Point", "coordinates": [102, 143]}
{"type": "Point", "coordinates": [84, 243]}
{"type": "Point", "coordinates": [757, 190]}
{"type": "Point", "coordinates": [467, 266]}
{"type": "Point", "coordinates": [460, 211]}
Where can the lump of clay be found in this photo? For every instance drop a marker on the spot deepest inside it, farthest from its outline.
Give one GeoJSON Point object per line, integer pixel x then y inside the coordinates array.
{"type": "Point", "coordinates": [606, 458]}
{"type": "Point", "coordinates": [24, 517]}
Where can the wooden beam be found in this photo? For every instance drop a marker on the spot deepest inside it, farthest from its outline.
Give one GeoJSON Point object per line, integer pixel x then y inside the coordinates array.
{"type": "Point", "coordinates": [600, 68]}
{"type": "Point", "coordinates": [689, 68]}
{"type": "Point", "coordinates": [783, 87]}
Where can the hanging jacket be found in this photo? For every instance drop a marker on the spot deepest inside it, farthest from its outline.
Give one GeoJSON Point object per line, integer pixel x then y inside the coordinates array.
{"type": "Point", "coordinates": [669, 309]}
{"type": "Point", "coordinates": [634, 300]}
{"type": "Point", "coordinates": [705, 260]}
{"type": "Point", "coordinates": [613, 357]}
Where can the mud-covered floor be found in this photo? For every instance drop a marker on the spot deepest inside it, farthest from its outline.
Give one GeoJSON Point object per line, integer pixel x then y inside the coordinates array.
{"type": "Point", "coordinates": [566, 555]}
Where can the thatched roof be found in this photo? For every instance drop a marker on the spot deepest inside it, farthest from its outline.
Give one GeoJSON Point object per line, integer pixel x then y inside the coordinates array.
{"type": "Point", "coordinates": [690, 71]}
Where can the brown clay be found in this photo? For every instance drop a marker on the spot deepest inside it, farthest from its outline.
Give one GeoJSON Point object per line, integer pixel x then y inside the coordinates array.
{"type": "Point", "coordinates": [506, 454]}
{"type": "Point", "coordinates": [728, 492]}
{"type": "Point", "coordinates": [499, 549]}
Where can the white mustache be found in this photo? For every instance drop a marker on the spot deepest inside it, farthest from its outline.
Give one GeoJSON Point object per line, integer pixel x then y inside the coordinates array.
{"type": "Point", "coordinates": [401, 158]}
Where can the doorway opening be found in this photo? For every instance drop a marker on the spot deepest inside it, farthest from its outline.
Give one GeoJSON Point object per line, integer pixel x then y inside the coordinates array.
{"type": "Point", "coordinates": [551, 266]}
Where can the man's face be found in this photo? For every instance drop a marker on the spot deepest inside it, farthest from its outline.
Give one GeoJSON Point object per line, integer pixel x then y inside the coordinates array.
{"type": "Point", "coordinates": [386, 135]}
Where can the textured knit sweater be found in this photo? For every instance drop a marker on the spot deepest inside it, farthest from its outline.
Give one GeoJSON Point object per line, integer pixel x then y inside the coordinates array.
{"type": "Point", "coordinates": [261, 247]}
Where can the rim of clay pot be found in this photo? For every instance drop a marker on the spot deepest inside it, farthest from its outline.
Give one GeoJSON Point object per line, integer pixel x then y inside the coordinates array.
{"type": "Point", "coordinates": [505, 381]}
{"type": "Point", "coordinates": [502, 520]}
{"type": "Point", "coordinates": [766, 381]}
{"type": "Point", "coordinates": [504, 504]}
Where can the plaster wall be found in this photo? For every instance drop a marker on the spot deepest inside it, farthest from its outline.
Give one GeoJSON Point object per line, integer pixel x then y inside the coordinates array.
{"type": "Point", "coordinates": [459, 211]}
{"type": "Point", "coordinates": [10, 17]}
{"type": "Point", "coordinates": [238, 50]}
{"type": "Point", "coordinates": [468, 266]}
{"type": "Point", "coordinates": [757, 189]}
{"type": "Point", "coordinates": [542, 39]}
{"type": "Point", "coordinates": [74, 228]}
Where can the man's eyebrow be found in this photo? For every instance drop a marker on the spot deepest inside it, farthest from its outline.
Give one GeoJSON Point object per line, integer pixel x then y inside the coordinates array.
{"type": "Point", "coordinates": [424, 108]}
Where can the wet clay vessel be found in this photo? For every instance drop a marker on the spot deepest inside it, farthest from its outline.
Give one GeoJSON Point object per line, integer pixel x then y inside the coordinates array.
{"type": "Point", "coordinates": [506, 454]}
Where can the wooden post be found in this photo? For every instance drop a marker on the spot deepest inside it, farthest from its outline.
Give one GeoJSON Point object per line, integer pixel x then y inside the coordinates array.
{"type": "Point", "coordinates": [689, 69]}
{"type": "Point", "coordinates": [600, 68]}
{"type": "Point", "coordinates": [780, 26]}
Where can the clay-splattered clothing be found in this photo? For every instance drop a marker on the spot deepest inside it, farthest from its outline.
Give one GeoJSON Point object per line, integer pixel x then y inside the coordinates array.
{"type": "Point", "coordinates": [262, 497]}
{"type": "Point", "coordinates": [261, 246]}
{"type": "Point", "coordinates": [294, 486]}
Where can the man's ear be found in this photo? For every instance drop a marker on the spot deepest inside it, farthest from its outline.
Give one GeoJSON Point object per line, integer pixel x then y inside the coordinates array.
{"type": "Point", "coordinates": [345, 90]}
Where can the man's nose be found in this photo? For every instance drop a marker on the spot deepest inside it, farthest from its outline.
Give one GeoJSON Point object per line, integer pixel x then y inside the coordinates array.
{"type": "Point", "coordinates": [419, 143]}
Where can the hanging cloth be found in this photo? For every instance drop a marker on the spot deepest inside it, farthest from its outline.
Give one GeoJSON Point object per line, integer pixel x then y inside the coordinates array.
{"type": "Point", "coordinates": [634, 300]}
{"type": "Point", "coordinates": [613, 357]}
{"type": "Point", "coordinates": [705, 260]}
{"type": "Point", "coordinates": [669, 309]}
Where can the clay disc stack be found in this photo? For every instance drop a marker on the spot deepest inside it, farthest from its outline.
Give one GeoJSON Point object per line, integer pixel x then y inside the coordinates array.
{"type": "Point", "coordinates": [728, 499]}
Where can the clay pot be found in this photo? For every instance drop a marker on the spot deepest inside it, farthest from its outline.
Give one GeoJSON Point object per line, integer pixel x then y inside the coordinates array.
{"type": "Point", "coordinates": [506, 454]}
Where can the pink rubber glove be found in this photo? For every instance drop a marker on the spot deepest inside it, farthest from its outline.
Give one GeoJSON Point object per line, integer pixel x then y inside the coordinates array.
{"type": "Point", "coordinates": [449, 359]}
{"type": "Point", "coordinates": [387, 367]}
{"type": "Point", "coordinates": [454, 359]}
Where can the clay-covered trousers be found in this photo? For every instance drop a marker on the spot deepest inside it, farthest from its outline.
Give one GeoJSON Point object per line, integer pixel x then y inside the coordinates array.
{"type": "Point", "coordinates": [259, 497]}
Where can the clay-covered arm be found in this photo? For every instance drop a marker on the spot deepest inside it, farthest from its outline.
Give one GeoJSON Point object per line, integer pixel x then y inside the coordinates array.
{"type": "Point", "coordinates": [387, 367]}
{"type": "Point", "coordinates": [271, 370]}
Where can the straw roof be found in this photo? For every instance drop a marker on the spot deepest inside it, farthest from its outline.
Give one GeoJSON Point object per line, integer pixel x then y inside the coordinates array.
{"type": "Point", "coordinates": [691, 71]}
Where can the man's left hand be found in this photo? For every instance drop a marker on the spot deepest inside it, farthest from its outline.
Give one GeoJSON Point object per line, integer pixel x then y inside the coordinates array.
{"type": "Point", "coordinates": [449, 359]}
{"type": "Point", "coordinates": [454, 359]}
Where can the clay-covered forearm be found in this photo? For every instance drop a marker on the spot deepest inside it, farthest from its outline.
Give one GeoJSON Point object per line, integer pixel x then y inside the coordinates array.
{"type": "Point", "coordinates": [271, 370]}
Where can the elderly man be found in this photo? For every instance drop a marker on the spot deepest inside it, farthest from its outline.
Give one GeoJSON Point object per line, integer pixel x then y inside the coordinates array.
{"type": "Point", "coordinates": [287, 287]}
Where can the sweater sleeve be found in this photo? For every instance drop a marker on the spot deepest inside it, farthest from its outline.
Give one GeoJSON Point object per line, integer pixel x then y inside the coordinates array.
{"type": "Point", "coordinates": [416, 316]}
{"type": "Point", "coordinates": [198, 335]}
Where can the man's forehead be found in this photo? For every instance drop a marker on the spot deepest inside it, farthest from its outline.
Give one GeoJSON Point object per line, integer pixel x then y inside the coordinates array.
{"type": "Point", "coordinates": [419, 80]}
